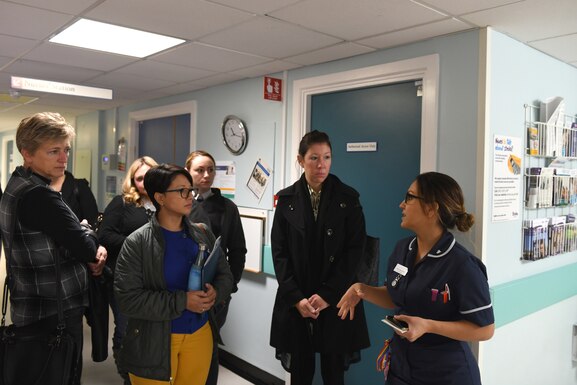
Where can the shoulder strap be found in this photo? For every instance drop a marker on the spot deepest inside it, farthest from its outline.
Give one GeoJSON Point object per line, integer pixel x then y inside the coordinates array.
{"type": "Point", "coordinates": [201, 227]}
{"type": "Point", "coordinates": [8, 254]}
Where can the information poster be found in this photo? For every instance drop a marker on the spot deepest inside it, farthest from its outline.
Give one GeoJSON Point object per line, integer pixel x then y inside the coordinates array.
{"type": "Point", "coordinates": [259, 178]}
{"type": "Point", "coordinates": [225, 178]}
{"type": "Point", "coordinates": [507, 174]}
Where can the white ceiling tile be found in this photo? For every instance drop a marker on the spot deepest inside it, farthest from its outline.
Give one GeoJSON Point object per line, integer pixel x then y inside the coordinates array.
{"type": "Point", "coordinates": [217, 80]}
{"type": "Point", "coordinates": [3, 61]}
{"type": "Point", "coordinates": [65, 6]}
{"type": "Point", "coordinates": [538, 21]}
{"type": "Point", "coordinates": [337, 51]}
{"type": "Point", "coordinates": [51, 72]}
{"type": "Point", "coordinates": [78, 57]}
{"type": "Point", "coordinates": [118, 80]}
{"type": "Point", "coordinates": [259, 7]}
{"type": "Point", "coordinates": [183, 88]}
{"type": "Point", "coordinates": [22, 21]}
{"type": "Point", "coordinates": [209, 58]}
{"type": "Point", "coordinates": [563, 47]}
{"type": "Point", "coordinates": [460, 7]}
{"type": "Point", "coordinates": [188, 19]}
{"type": "Point", "coordinates": [15, 46]}
{"type": "Point", "coordinates": [271, 38]}
{"type": "Point", "coordinates": [351, 20]}
{"type": "Point", "coordinates": [202, 83]}
{"type": "Point", "coordinates": [418, 33]}
{"type": "Point", "coordinates": [266, 69]}
{"type": "Point", "coordinates": [164, 71]}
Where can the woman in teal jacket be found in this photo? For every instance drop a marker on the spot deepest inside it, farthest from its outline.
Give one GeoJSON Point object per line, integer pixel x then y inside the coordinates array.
{"type": "Point", "coordinates": [171, 330]}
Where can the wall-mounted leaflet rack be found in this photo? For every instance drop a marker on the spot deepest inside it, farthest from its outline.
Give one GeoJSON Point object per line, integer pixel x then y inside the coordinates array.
{"type": "Point", "coordinates": [550, 185]}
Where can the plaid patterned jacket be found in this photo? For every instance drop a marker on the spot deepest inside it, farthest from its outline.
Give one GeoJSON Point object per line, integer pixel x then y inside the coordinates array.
{"type": "Point", "coordinates": [32, 272]}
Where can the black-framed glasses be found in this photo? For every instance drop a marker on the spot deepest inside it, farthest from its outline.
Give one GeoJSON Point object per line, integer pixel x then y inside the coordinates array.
{"type": "Point", "coordinates": [409, 197]}
{"type": "Point", "coordinates": [184, 192]}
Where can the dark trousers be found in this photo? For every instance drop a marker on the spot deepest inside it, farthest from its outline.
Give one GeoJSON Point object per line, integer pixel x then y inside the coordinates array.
{"type": "Point", "coordinates": [220, 318]}
{"type": "Point", "coordinates": [74, 321]}
{"type": "Point", "coordinates": [120, 325]}
{"type": "Point", "coordinates": [303, 369]}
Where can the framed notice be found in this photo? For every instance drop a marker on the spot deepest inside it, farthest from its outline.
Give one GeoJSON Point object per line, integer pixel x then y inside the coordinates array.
{"type": "Point", "coordinates": [259, 179]}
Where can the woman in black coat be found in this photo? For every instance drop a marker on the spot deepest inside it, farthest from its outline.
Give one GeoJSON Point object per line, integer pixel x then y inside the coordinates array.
{"type": "Point", "coordinates": [317, 239]}
{"type": "Point", "coordinates": [78, 196]}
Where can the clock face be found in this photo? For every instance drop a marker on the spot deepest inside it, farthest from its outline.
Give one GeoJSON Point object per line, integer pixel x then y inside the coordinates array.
{"type": "Point", "coordinates": [234, 134]}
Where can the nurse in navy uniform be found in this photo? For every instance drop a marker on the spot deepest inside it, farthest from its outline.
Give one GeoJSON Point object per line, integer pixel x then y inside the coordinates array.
{"type": "Point", "coordinates": [436, 286]}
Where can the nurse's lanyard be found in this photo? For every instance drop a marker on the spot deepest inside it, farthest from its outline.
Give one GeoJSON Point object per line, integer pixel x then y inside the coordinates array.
{"type": "Point", "coordinates": [401, 271]}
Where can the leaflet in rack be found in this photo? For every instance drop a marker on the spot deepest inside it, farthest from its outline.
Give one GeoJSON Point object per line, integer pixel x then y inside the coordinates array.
{"type": "Point", "coordinates": [545, 237]}
{"type": "Point", "coordinates": [550, 187]}
{"type": "Point", "coordinates": [551, 140]}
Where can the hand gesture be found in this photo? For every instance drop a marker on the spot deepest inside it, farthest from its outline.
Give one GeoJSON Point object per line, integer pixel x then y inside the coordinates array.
{"type": "Point", "coordinates": [349, 300]}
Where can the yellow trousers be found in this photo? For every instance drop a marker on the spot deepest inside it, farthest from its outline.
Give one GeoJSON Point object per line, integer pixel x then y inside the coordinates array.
{"type": "Point", "coordinates": [190, 356]}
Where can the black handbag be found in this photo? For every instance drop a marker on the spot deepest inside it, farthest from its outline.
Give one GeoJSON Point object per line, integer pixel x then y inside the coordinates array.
{"type": "Point", "coordinates": [368, 270]}
{"type": "Point", "coordinates": [31, 355]}
{"type": "Point", "coordinates": [36, 354]}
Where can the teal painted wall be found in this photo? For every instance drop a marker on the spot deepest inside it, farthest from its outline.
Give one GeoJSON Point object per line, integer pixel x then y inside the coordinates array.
{"type": "Point", "coordinates": [517, 299]}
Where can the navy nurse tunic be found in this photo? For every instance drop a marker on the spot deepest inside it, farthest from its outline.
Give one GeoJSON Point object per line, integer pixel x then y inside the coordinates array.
{"type": "Point", "coordinates": [449, 284]}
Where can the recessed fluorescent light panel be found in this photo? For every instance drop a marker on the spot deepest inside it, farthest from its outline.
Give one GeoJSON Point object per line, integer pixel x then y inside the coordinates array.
{"type": "Point", "coordinates": [114, 39]}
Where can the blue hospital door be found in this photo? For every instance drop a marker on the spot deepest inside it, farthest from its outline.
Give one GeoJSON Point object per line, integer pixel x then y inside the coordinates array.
{"type": "Point", "coordinates": [389, 115]}
{"type": "Point", "coordinates": [166, 140]}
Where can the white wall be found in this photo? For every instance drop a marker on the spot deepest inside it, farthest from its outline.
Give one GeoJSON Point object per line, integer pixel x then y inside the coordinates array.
{"type": "Point", "coordinates": [249, 320]}
{"type": "Point", "coordinates": [535, 350]}
{"type": "Point", "coordinates": [519, 75]}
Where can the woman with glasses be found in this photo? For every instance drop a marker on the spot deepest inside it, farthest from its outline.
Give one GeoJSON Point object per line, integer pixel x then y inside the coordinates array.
{"type": "Point", "coordinates": [171, 330]}
{"type": "Point", "coordinates": [124, 214]}
{"type": "Point", "coordinates": [317, 238]}
{"type": "Point", "coordinates": [222, 215]}
{"type": "Point", "coordinates": [435, 286]}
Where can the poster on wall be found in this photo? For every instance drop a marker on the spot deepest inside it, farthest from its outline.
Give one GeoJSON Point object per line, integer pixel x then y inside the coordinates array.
{"type": "Point", "coordinates": [507, 174]}
{"type": "Point", "coordinates": [225, 178]}
{"type": "Point", "coordinates": [259, 178]}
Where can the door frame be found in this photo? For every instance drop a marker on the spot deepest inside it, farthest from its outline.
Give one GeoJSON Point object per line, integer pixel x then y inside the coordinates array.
{"type": "Point", "coordinates": [188, 107]}
{"type": "Point", "coordinates": [424, 68]}
{"type": "Point", "coordinates": [17, 159]}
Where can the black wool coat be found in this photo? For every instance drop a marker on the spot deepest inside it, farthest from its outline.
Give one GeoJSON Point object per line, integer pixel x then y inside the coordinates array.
{"type": "Point", "coordinates": [300, 272]}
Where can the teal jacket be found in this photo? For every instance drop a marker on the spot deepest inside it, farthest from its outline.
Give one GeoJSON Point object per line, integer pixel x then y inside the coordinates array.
{"type": "Point", "coordinates": [140, 289]}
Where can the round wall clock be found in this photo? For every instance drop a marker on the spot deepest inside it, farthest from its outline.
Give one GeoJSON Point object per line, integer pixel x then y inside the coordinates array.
{"type": "Point", "coordinates": [234, 134]}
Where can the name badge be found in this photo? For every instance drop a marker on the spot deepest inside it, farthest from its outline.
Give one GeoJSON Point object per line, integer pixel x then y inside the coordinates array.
{"type": "Point", "coordinates": [400, 269]}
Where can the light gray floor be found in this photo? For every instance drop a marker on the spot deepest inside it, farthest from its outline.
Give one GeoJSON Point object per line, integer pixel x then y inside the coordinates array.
{"type": "Point", "coordinates": [104, 373]}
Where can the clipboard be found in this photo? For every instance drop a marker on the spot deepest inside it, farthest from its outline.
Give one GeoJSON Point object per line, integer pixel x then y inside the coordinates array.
{"type": "Point", "coordinates": [211, 263]}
